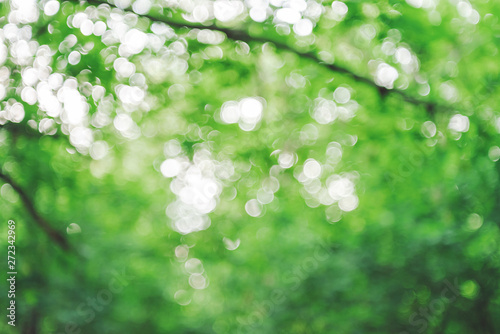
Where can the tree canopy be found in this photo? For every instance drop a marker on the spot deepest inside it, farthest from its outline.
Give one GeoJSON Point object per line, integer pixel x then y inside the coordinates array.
{"type": "Point", "coordinates": [257, 166]}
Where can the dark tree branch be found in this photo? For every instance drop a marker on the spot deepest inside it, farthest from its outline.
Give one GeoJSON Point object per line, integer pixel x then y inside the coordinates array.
{"type": "Point", "coordinates": [22, 129]}
{"type": "Point", "coordinates": [53, 234]}
{"type": "Point", "coordinates": [242, 35]}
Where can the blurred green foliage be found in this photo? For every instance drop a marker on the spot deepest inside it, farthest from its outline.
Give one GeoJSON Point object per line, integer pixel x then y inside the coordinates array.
{"type": "Point", "coordinates": [231, 167]}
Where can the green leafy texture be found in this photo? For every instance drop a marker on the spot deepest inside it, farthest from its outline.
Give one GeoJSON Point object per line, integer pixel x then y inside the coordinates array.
{"type": "Point", "coordinates": [280, 254]}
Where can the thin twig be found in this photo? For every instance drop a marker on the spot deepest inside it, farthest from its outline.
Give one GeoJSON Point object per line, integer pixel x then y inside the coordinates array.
{"type": "Point", "coordinates": [242, 35]}
{"type": "Point", "coordinates": [53, 234]}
